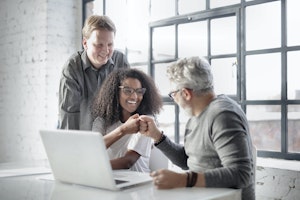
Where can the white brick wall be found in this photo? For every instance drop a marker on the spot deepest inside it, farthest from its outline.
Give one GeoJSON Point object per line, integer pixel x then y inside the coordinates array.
{"type": "Point", "coordinates": [36, 38]}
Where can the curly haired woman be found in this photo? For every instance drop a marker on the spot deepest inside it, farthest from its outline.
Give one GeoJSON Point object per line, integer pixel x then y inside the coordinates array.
{"type": "Point", "coordinates": [124, 96]}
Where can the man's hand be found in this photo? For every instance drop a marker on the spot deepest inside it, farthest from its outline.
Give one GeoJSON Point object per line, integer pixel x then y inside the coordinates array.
{"type": "Point", "coordinates": [167, 179]}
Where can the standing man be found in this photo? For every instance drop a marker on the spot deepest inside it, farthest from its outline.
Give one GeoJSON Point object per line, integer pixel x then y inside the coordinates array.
{"type": "Point", "coordinates": [84, 72]}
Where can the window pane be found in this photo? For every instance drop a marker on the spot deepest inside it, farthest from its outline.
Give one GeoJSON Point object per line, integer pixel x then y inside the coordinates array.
{"type": "Point", "coordinates": [293, 16]}
{"type": "Point", "coordinates": [263, 77]}
{"type": "Point", "coordinates": [221, 3]}
{"type": "Point", "coordinates": [98, 7]}
{"type": "Point", "coordinates": [192, 39]}
{"type": "Point", "coordinates": [188, 6]}
{"type": "Point", "coordinates": [161, 79]}
{"type": "Point", "coordinates": [225, 75]}
{"type": "Point", "coordinates": [138, 31]}
{"type": "Point", "coordinates": [293, 71]}
{"type": "Point", "coordinates": [89, 8]}
{"type": "Point", "coordinates": [265, 126]}
{"type": "Point", "coordinates": [119, 16]}
{"type": "Point", "coordinates": [263, 26]}
{"type": "Point", "coordinates": [166, 120]}
{"type": "Point", "coordinates": [143, 68]}
{"type": "Point", "coordinates": [293, 128]}
{"type": "Point", "coordinates": [183, 118]}
{"type": "Point", "coordinates": [223, 35]}
{"type": "Point", "coordinates": [164, 43]}
{"type": "Point", "coordinates": [162, 9]}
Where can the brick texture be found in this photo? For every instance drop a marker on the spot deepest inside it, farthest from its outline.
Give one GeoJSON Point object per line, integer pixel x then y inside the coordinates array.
{"type": "Point", "coordinates": [36, 38]}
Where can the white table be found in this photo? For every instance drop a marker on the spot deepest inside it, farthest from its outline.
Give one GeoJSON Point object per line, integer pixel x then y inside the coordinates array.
{"type": "Point", "coordinates": [33, 188]}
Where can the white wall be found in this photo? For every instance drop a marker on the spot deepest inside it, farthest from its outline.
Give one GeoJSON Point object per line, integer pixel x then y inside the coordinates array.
{"type": "Point", "coordinates": [36, 38]}
{"type": "Point", "coordinates": [277, 179]}
{"type": "Point", "coordinates": [274, 183]}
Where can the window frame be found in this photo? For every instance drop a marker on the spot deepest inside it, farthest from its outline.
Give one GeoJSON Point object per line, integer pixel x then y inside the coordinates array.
{"type": "Point", "coordinates": [239, 11]}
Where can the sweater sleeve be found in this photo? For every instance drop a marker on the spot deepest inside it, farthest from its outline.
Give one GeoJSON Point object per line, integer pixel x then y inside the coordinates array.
{"type": "Point", "coordinates": [175, 152]}
{"type": "Point", "coordinates": [231, 140]}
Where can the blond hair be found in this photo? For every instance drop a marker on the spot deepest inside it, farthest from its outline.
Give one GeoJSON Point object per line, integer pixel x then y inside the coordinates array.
{"type": "Point", "coordinates": [96, 22]}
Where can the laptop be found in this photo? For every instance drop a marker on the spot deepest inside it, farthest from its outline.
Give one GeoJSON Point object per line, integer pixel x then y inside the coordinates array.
{"type": "Point", "coordinates": [80, 157]}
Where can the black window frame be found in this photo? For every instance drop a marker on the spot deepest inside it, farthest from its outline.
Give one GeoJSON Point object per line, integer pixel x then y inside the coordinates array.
{"type": "Point", "coordinates": [239, 11]}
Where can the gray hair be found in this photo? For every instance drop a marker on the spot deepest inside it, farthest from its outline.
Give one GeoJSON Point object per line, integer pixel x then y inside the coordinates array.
{"type": "Point", "coordinates": [193, 73]}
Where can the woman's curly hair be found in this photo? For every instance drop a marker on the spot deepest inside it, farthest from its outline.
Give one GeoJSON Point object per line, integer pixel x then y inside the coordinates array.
{"type": "Point", "coordinates": [106, 104]}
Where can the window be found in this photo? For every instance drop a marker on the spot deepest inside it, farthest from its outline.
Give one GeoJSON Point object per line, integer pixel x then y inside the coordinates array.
{"type": "Point", "coordinates": [191, 35]}
{"type": "Point", "coordinates": [253, 47]}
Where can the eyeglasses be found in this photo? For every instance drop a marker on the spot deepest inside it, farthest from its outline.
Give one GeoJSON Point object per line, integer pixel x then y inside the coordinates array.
{"type": "Point", "coordinates": [172, 94]}
{"type": "Point", "coordinates": [129, 91]}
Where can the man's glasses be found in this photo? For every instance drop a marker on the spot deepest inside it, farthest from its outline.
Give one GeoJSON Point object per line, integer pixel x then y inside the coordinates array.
{"type": "Point", "coordinates": [172, 94]}
{"type": "Point", "coordinates": [129, 91]}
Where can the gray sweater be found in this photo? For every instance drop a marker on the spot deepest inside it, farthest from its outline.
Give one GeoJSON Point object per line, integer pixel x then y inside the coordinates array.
{"type": "Point", "coordinates": [217, 143]}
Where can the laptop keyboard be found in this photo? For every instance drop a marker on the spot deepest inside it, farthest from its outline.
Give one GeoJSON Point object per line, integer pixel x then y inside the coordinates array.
{"type": "Point", "coordinates": [119, 175]}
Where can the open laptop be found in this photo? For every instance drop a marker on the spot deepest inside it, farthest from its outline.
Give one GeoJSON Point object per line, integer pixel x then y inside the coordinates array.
{"type": "Point", "coordinates": [80, 157]}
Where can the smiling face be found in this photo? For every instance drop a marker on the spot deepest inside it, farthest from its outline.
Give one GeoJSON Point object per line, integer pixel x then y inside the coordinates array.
{"type": "Point", "coordinates": [130, 102]}
{"type": "Point", "coordinates": [99, 47]}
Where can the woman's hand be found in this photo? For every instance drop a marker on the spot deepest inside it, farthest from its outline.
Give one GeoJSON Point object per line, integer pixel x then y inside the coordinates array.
{"type": "Point", "coordinates": [132, 125]}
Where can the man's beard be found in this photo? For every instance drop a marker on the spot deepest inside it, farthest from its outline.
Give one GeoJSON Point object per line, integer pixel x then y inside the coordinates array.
{"type": "Point", "coordinates": [188, 111]}
{"type": "Point", "coordinates": [186, 108]}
